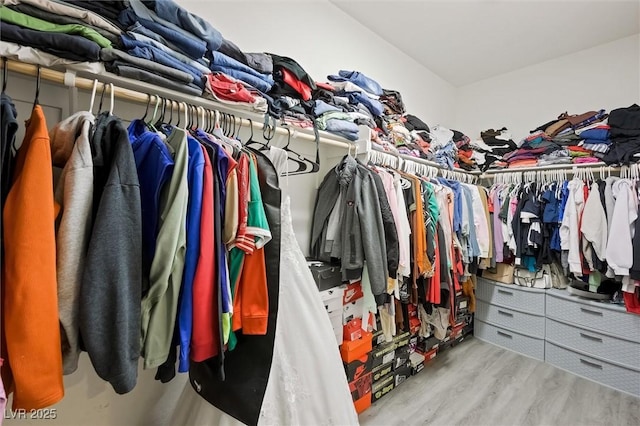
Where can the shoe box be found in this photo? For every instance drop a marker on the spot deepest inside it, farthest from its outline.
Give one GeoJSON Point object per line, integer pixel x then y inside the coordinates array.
{"type": "Point", "coordinates": [332, 299]}
{"type": "Point", "coordinates": [383, 354]}
{"type": "Point", "coordinates": [325, 274]}
{"type": "Point", "coordinates": [358, 367]}
{"type": "Point", "coordinates": [363, 403]}
{"type": "Point", "coordinates": [381, 372]}
{"type": "Point", "coordinates": [356, 349]}
{"type": "Point", "coordinates": [416, 360]}
{"type": "Point", "coordinates": [402, 373]}
{"type": "Point", "coordinates": [360, 387]}
{"type": "Point", "coordinates": [382, 387]}
{"type": "Point", "coordinates": [401, 356]}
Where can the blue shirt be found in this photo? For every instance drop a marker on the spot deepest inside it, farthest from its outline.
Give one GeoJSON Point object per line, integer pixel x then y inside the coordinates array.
{"type": "Point", "coordinates": [187, 43]}
{"type": "Point", "coordinates": [457, 202]}
{"type": "Point", "coordinates": [144, 50]}
{"type": "Point", "coordinates": [195, 173]}
{"type": "Point", "coordinates": [154, 164]}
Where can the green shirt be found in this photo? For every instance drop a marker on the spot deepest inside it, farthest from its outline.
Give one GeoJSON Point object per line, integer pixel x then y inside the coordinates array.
{"type": "Point", "coordinates": [26, 21]}
{"type": "Point", "coordinates": [160, 304]}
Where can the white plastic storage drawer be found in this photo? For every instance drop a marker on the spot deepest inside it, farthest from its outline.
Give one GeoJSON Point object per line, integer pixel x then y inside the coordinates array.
{"type": "Point", "coordinates": [521, 298]}
{"type": "Point", "coordinates": [614, 350]}
{"type": "Point", "coordinates": [528, 324]}
{"type": "Point", "coordinates": [508, 339]}
{"type": "Point", "coordinates": [594, 369]}
{"type": "Point", "coordinates": [609, 320]}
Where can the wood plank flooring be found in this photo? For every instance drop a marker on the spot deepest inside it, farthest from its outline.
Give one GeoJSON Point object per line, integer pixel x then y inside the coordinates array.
{"type": "Point", "coordinates": [476, 383]}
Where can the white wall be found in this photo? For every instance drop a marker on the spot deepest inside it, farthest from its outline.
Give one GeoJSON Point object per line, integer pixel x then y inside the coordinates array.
{"type": "Point", "coordinates": [324, 39]}
{"type": "Point", "coordinates": [605, 76]}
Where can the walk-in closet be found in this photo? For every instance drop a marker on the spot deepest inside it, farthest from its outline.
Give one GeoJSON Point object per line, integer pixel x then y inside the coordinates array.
{"type": "Point", "coordinates": [320, 212]}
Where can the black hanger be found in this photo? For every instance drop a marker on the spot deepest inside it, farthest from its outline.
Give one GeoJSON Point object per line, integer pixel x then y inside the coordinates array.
{"type": "Point", "coordinates": [302, 165]}
{"type": "Point", "coordinates": [104, 86]}
{"type": "Point", "coordinates": [5, 74]}
{"type": "Point", "coordinates": [267, 133]}
{"type": "Point", "coordinates": [36, 101]}
{"type": "Point", "coordinates": [315, 165]}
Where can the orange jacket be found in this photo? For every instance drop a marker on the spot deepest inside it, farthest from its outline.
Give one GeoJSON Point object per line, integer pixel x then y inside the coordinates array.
{"type": "Point", "coordinates": [30, 305]}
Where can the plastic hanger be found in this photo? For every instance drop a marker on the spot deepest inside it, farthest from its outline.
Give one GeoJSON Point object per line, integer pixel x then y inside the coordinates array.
{"type": "Point", "coordinates": [5, 74]}
{"type": "Point", "coordinates": [93, 96]}
{"type": "Point", "coordinates": [146, 110]}
{"type": "Point", "coordinates": [309, 166]}
{"type": "Point", "coordinates": [36, 100]}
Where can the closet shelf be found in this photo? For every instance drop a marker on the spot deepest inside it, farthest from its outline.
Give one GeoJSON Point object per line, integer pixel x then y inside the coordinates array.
{"type": "Point", "coordinates": [141, 92]}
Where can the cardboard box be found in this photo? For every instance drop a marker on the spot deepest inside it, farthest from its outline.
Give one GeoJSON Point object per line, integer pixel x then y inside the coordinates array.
{"type": "Point", "coordinates": [503, 273]}
{"type": "Point", "coordinates": [378, 338]}
{"type": "Point", "coordinates": [402, 373]}
{"type": "Point", "coordinates": [353, 329]}
{"type": "Point", "coordinates": [356, 349]}
{"type": "Point", "coordinates": [412, 310]}
{"type": "Point", "coordinates": [414, 325]}
{"type": "Point", "coordinates": [332, 299]}
{"type": "Point", "coordinates": [352, 310]}
{"type": "Point", "coordinates": [325, 275]}
{"type": "Point", "coordinates": [359, 367]}
{"type": "Point", "coordinates": [429, 356]}
{"type": "Point", "coordinates": [383, 354]}
{"type": "Point", "coordinates": [402, 339]}
{"type": "Point", "coordinates": [413, 344]}
{"type": "Point", "coordinates": [336, 324]}
{"type": "Point", "coordinates": [352, 292]}
{"type": "Point", "coordinates": [402, 356]}
{"type": "Point", "coordinates": [416, 360]}
{"type": "Point", "coordinates": [381, 371]}
{"type": "Point", "coordinates": [363, 403]}
{"type": "Point", "coordinates": [360, 386]}
{"type": "Point", "coordinates": [382, 388]}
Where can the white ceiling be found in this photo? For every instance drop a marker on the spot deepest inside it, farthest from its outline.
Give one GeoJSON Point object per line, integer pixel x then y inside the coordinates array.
{"type": "Point", "coordinates": [467, 41]}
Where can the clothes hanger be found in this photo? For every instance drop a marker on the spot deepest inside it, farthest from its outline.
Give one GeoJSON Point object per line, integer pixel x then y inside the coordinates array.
{"type": "Point", "coordinates": [36, 101]}
{"type": "Point", "coordinates": [5, 74]}
{"type": "Point", "coordinates": [302, 166]}
{"type": "Point", "coordinates": [267, 134]}
{"type": "Point", "coordinates": [146, 109]}
{"type": "Point", "coordinates": [315, 165]}
{"type": "Point", "coordinates": [93, 96]}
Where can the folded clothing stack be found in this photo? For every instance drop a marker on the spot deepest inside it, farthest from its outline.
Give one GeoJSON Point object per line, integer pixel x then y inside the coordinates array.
{"type": "Point", "coordinates": [624, 133]}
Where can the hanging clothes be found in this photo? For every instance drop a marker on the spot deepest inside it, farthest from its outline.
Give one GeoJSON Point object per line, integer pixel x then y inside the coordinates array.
{"type": "Point", "coordinates": [32, 350]}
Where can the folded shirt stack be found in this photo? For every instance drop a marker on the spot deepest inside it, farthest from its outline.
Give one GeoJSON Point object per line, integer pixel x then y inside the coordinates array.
{"type": "Point", "coordinates": [624, 133]}
{"type": "Point", "coordinates": [230, 91]}
{"type": "Point", "coordinates": [596, 139]}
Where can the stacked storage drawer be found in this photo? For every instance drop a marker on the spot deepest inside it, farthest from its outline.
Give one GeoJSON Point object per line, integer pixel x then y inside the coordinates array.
{"type": "Point", "coordinates": [511, 317]}
{"type": "Point", "coordinates": [598, 341]}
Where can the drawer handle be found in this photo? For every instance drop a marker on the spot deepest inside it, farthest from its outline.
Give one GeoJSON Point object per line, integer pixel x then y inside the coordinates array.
{"type": "Point", "coordinates": [591, 364]}
{"type": "Point", "coordinates": [589, 311]}
{"type": "Point", "coordinates": [594, 338]}
{"type": "Point", "coordinates": [507, 314]}
{"type": "Point", "coordinates": [505, 334]}
{"type": "Point", "coordinates": [505, 292]}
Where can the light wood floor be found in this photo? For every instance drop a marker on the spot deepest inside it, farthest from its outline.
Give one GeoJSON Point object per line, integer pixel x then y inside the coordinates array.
{"type": "Point", "coordinates": [476, 383]}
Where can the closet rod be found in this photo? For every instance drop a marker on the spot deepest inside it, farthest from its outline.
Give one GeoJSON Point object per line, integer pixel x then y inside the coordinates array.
{"type": "Point", "coordinates": [434, 164]}
{"type": "Point", "coordinates": [139, 94]}
{"type": "Point", "coordinates": [567, 167]}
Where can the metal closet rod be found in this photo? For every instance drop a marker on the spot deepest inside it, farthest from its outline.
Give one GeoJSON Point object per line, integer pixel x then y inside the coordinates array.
{"type": "Point", "coordinates": [566, 167]}
{"type": "Point", "coordinates": [141, 96]}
